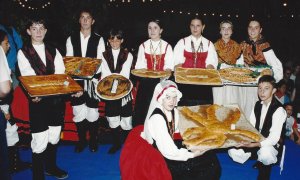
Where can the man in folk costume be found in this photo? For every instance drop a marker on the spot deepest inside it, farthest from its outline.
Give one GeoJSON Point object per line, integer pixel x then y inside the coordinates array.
{"type": "Point", "coordinates": [195, 51]}
{"type": "Point", "coordinates": [46, 114]}
{"type": "Point", "coordinates": [117, 60]}
{"type": "Point", "coordinates": [228, 52]}
{"type": "Point", "coordinates": [256, 51]}
{"type": "Point", "coordinates": [86, 43]}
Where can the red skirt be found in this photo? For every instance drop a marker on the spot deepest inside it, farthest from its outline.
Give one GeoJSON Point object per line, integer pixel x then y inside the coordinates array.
{"type": "Point", "coordinates": [140, 160]}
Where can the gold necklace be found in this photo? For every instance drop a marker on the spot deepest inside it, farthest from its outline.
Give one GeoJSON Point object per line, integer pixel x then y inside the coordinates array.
{"type": "Point", "coordinates": [153, 57]}
{"type": "Point", "coordinates": [195, 53]}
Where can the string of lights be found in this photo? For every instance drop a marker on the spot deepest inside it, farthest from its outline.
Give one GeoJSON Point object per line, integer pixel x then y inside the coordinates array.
{"type": "Point", "coordinates": [33, 4]}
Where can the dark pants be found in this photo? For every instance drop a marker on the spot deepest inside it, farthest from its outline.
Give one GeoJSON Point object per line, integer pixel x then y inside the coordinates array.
{"type": "Point", "coordinates": [4, 172]}
{"type": "Point", "coordinates": [115, 108]}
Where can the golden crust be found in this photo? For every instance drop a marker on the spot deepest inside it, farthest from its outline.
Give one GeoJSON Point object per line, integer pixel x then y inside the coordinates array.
{"type": "Point", "coordinates": [81, 66]}
{"type": "Point", "coordinates": [239, 75]}
{"type": "Point", "coordinates": [146, 73]}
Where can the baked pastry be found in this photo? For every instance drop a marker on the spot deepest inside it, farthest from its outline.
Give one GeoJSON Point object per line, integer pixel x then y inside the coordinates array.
{"type": "Point", "coordinates": [81, 66]}
{"type": "Point", "coordinates": [146, 73]}
{"type": "Point", "coordinates": [114, 87]}
{"type": "Point", "coordinates": [197, 76]}
{"type": "Point", "coordinates": [49, 85]}
{"type": "Point", "coordinates": [239, 75]}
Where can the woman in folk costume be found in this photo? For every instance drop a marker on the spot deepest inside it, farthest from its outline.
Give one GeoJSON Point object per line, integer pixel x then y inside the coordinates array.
{"type": "Point", "coordinates": [195, 51]}
{"type": "Point", "coordinates": [228, 52]}
{"type": "Point", "coordinates": [118, 112]}
{"type": "Point", "coordinates": [46, 114]}
{"type": "Point", "coordinates": [86, 43]}
{"type": "Point", "coordinates": [154, 54]}
{"type": "Point", "coordinates": [256, 51]}
{"type": "Point", "coordinates": [162, 133]}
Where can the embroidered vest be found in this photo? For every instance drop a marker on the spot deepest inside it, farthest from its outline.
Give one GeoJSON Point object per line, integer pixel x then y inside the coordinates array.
{"type": "Point", "coordinates": [228, 52]}
{"type": "Point", "coordinates": [265, 131]}
{"type": "Point", "coordinates": [92, 45]}
{"type": "Point", "coordinates": [190, 61]}
{"type": "Point", "coordinates": [35, 61]}
{"type": "Point", "coordinates": [122, 57]}
{"type": "Point", "coordinates": [160, 60]}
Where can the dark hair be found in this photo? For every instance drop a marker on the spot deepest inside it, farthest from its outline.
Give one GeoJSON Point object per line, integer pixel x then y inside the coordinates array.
{"type": "Point", "coordinates": [2, 35]}
{"type": "Point", "coordinates": [156, 21]}
{"type": "Point", "coordinates": [281, 83]}
{"type": "Point", "coordinates": [86, 10]}
{"type": "Point", "coordinates": [36, 20]}
{"type": "Point", "coordinates": [288, 104]}
{"type": "Point", "coordinates": [198, 18]}
{"type": "Point", "coordinates": [269, 79]}
{"type": "Point", "coordinates": [256, 20]}
{"type": "Point", "coordinates": [226, 21]}
{"type": "Point", "coordinates": [118, 33]}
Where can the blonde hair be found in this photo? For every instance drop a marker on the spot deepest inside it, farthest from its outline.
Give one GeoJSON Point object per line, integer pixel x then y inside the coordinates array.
{"type": "Point", "coordinates": [226, 21]}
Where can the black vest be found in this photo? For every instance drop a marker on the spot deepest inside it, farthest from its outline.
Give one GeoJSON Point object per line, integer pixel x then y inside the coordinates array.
{"type": "Point", "coordinates": [92, 45]}
{"type": "Point", "coordinates": [122, 57]}
{"type": "Point", "coordinates": [265, 131]}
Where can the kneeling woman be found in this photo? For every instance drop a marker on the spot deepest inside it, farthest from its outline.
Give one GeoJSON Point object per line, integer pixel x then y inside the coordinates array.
{"type": "Point", "coordinates": [161, 130]}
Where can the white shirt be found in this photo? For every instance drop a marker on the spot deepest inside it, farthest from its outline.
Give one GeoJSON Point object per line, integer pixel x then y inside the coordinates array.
{"type": "Point", "coordinates": [4, 68]}
{"type": "Point", "coordinates": [141, 62]}
{"type": "Point", "coordinates": [278, 118]}
{"type": "Point", "coordinates": [125, 68]}
{"type": "Point", "coordinates": [84, 43]}
{"type": "Point", "coordinates": [155, 128]}
{"type": "Point", "coordinates": [289, 125]}
{"type": "Point", "coordinates": [25, 67]}
{"type": "Point", "coordinates": [185, 44]}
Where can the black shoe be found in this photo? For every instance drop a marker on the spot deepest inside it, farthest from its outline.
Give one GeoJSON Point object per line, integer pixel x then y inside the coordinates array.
{"type": "Point", "coordinates": [79, 148]}
{"type": "Point", "coordinates": [114, 149]}
{"type": "Point", "coordinates": [257, 165]}
{"type": "Point", "coordinates": [56, 172]}
{"type": "Point", "coordinates": [93, 147]}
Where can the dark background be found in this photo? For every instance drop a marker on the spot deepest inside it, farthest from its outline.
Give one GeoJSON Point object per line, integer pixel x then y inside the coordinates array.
{"type": "Point", "coordinates": [280, 23]}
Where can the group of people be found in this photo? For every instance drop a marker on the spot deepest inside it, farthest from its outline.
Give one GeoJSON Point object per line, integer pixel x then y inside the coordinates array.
{"type": "Point", "coordinates": [158, 97]}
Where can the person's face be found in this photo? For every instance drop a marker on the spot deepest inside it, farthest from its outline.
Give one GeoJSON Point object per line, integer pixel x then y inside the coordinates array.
{"type": "Point", "coordinates": [115, 43]}
{"type": "Point", "coordinates": [297, 70]}
{"type": "Point", "coordinates": [170, 101]}
{"type": "Point", "coordinates": [289, 110]}
{"type": "Point", "coordinates": [282, 89]}
{"type": "Point", "coordinates": [254, 30]}
{"type": "Point", "coordinates": [226, 31]}
{"type": "Point", "coordinates": [266, 91]}
{"type": "Point", "coordinates": [37, 33]}
{"type": "Point", "coordinates": [86, 21]}
{"type": "Point", "coordinates": [154, 31]}
{"type": "Point", "coordinates": [196, 27]}
{"type": "Point", "coordinates": [5, 44]}
{"type": "Point", "coordinates": [287, 74]}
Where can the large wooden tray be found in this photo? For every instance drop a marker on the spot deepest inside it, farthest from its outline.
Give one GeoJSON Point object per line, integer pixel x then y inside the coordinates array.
{"type": "Point", "coordinates": [81, 67]}
{"type": "Point", "coordinates": [197, 76]}
{"type": "Point", "coordinates": [105, 86]}
{"type": "Point", "coordinates": [146, 73]}
{"type": "Point", "coordinates": [49, 85]}
{"type": "Point", "coordinates": [232, 140]}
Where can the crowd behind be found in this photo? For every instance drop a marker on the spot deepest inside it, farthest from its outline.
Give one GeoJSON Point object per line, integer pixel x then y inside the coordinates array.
{"type": "Point", "coordinates": [194, 51]}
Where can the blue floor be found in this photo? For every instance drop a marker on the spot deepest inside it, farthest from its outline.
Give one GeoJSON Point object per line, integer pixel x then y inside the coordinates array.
{"type": "Point", "coordinates": [102, 166]}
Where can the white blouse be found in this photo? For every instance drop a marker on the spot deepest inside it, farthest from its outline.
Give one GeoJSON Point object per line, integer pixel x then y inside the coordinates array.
{"type": "Point", "coordinates": [185, 44]}
{"type": "Point", "coordinates": [26, 69]}
{"type": "Point", "coordinates": [155, 128]}
{"type": "Point", "coordinates": [4, 68]}
{"type": "Point", "coordinates": [141, 62]}
{"type": "Point", "coordinates": [125, 68]}
{"type": "Point", "coordinates": [84, 43]}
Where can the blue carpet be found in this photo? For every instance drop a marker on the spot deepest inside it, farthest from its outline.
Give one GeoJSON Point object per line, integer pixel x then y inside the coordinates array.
{"type": "Point", "coordinates": [102, 166]}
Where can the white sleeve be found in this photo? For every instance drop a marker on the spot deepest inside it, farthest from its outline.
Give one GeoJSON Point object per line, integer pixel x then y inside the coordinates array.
{"type": "Point", "coordinates": [240, 60]}
{"type": "Point", "coordinates": [4, 71]}
{"type": "Point", "coordinates": [212, 57]}
{"type": "Point", "coordinates": [59, 63]}
{"type": "Point", "coordinates": [100, 48]}
{"type": "Point", "coordinates": [275, 63]}
{"type": "Point", "coordinates": [179, 53]}
{"type": "Point", "coordinates": [169, 61]}
{"type": "Point", "coordinates": [127, 66]}
{"type": "Point", "coordinates": [141, 62]}
{"type": "Point", "coordinates": [24, 65]}
{"type": "Point", "coordinates": [164, 142]}
{"type": "Point", "coordinates": [4, 108]}
{"type": "Point", "coordinates": [69, 47]}
{"type": "Point", "coordinates": [105, 71]}
{"type": "Point", "coordinates": [278, 120]}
